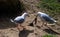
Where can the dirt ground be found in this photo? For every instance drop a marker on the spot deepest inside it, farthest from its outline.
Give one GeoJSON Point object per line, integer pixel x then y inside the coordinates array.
{"type": "Point", "coordinates": [8, 29]}
{"type": "Point", "coordinates": [30, 31]}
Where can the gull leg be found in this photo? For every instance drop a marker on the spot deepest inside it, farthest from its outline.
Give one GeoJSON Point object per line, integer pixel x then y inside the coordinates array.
{"type": "Point", "coordinates": [42, 22]}
{"type": "Point", "coordinates": [19, 27]}
{"type": "Point", "coordinates": [45, 24]}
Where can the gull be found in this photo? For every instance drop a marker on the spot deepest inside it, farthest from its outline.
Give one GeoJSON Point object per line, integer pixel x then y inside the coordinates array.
{"type": "Point", "coordinates": [19, 20]}
{"type": "Point", "coordinates": [46, 18]}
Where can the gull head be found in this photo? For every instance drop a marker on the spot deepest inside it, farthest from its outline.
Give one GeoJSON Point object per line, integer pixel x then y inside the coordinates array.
{"type": "Point", "coordinates": [26, 14]}
{"type": "Point", "coordinates": [38, 13]}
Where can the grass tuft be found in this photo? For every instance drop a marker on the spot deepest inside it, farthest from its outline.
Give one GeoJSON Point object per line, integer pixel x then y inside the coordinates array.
{"type": "Point", "coordinates": [49, 35]}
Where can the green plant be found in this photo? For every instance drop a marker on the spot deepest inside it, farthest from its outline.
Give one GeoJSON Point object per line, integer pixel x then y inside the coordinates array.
{"type": "Point", "coordinates": [52, 7]}
{"type": "Point", "coordinates": [49, 35]}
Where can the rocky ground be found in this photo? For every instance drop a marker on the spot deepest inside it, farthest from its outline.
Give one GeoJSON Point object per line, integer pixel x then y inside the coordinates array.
{"type": "Point", "coordinates": [30, 31]}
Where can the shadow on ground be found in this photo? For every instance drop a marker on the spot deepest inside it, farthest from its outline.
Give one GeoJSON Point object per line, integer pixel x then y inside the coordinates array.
{"type": "Point", "coordinates": [6, 23]}
{"type": "Point", "coordinates": [24, 33]}
{"type": "Point", "coordinates": [50, 31]}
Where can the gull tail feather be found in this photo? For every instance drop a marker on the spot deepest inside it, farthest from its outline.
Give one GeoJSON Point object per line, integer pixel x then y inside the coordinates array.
{"type": "Point", "coordinates": [54, 20]}
{"type": "Point", "coordinates": [11, 20]}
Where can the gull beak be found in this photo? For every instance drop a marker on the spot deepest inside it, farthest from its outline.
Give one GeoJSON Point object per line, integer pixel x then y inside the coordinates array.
{"type": "Point", "coordinates": [28, 15]}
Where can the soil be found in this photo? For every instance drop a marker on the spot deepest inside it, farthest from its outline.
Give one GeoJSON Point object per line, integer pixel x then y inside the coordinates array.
{"type": "Point", "coordinates": [8, 29]}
